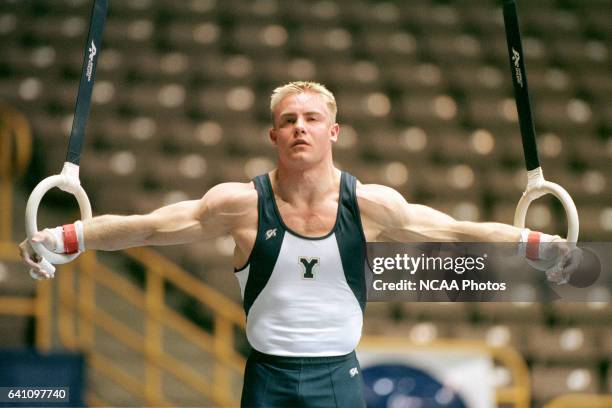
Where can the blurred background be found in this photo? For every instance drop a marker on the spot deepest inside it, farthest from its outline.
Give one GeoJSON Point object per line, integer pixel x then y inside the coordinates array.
{"type": "Point", "coordinates": [181, 103]}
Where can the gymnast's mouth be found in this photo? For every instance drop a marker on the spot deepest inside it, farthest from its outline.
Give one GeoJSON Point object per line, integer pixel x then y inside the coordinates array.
{"type": "Point", "coordinates": [299, 142]}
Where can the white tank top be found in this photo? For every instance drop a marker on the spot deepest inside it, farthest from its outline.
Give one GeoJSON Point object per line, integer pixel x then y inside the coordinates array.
{"type": "Point", "coordinates": [305, 296]}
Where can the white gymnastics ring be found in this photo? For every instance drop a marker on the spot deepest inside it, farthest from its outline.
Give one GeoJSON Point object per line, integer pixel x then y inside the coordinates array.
{"type": "Point", "coordinates": [537, 187]}
{"type": "Point", "coordinates": [67, 181]}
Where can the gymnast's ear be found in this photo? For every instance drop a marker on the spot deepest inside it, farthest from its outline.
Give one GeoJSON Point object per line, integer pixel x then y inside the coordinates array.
{"type": "Point", "coordinates": [272, 135]}
{"type": "Point", "coordinates": [335, 130]}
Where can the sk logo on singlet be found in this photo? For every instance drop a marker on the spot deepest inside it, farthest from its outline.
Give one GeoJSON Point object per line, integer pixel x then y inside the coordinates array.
{"type": "Point", "coordinates": [308, 265]}
{"type": "Point", "coordinates": [270, 233]}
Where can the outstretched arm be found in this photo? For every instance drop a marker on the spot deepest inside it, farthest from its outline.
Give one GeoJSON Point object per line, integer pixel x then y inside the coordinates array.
{"type": "Point", "coordinates": [388, 217]}
{"type": "Point", "coordinates": [392, 218]}
{"type": "Point", "coordinates": [180, 223]}
{"type": "Point", "coordinates": [215, 214]}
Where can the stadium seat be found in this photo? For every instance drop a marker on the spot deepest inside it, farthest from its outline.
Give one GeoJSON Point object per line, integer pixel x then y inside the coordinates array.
{"type": "Point", "coordinates": [389, 46]}
{"type": "Point", "coordinates": [436, 311]}
{"type": "Point", "coordinates": [567, 345]}
{"type": "Point", "coordinates": [573, 313]}
{"type": "Point", "coordinates": [552, 381]}
{"type": "Point", "coordinates": [498, 312]}
{"type": "Point", "coordinates": [499, 335]}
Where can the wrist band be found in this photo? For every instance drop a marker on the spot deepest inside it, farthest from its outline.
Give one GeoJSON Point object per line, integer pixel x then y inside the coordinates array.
{"type": "Point", "coordinates": [78, 227]}
{"type": "Point", "coordinates": [532, 250]}
{"type": "Point", "coordinates": [71, 243]}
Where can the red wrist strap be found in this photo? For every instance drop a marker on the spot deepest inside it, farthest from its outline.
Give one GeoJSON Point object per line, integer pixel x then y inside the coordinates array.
{"type": "Point", "coordinates": [71, 242]}
{"type": "Point", "coordinates": [533, 246]}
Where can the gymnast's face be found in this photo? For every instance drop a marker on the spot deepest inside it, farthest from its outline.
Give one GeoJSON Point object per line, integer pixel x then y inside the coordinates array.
{"type": "Point", "coordinates": [303, 130]}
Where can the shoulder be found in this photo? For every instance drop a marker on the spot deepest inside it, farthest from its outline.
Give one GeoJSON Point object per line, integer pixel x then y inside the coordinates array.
{"type": "Point", "coordinates": [380, 206]}
{"type": "Point", "coordinates": [375, 196]}
{"type": "Point", "coordinates": [230, 197]}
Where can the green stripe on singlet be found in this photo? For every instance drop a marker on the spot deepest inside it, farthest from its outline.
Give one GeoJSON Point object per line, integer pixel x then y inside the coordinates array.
{"type": "Point", "coordinates": [267, 246]}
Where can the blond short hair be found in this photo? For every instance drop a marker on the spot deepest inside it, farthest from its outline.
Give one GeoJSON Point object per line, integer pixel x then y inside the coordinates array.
{"type": "Point", "coordinates": [298, 87]}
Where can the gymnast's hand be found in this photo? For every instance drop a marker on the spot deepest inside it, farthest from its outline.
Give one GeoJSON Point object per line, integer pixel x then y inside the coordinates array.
{"type": "Point", "coordinates": [31, 259]}
{"type": "Point", "coordinates": [66, 239]}
{"type": "Point", "coordinates": [566, 258]}
{"type": "Point", "coordinates": [554, 255]}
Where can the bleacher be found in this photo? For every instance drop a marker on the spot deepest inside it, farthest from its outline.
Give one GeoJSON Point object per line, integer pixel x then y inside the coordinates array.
{"type": "Point", "coordinates": [181, 103]}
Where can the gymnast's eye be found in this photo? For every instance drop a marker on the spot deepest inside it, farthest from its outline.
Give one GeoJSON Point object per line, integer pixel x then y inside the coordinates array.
{"type": "Point", "coordinates": [287, 120]}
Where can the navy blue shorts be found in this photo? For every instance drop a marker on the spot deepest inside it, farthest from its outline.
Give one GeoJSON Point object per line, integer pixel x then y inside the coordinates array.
{"type": "Point", "coordinates": [313, 382]}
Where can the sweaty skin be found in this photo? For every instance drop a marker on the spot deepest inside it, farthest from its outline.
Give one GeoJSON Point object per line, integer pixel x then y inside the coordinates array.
{"type": "Point", "coordinates": [305, 186]}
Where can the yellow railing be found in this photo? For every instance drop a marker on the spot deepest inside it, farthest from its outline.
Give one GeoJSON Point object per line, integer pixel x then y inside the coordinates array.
{"type": "Point", "coordinates": [39, 306]}
{"type": "Point", "coordinates": [581, 401]}
{"type": "Point", "coordinates": [157, 317]}
{"type": "Point", "coordinates": [15, 152]}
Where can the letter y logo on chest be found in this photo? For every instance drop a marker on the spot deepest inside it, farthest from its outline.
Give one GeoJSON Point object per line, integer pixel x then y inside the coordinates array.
{"type": "Point", "coordinates": [308, 265]}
